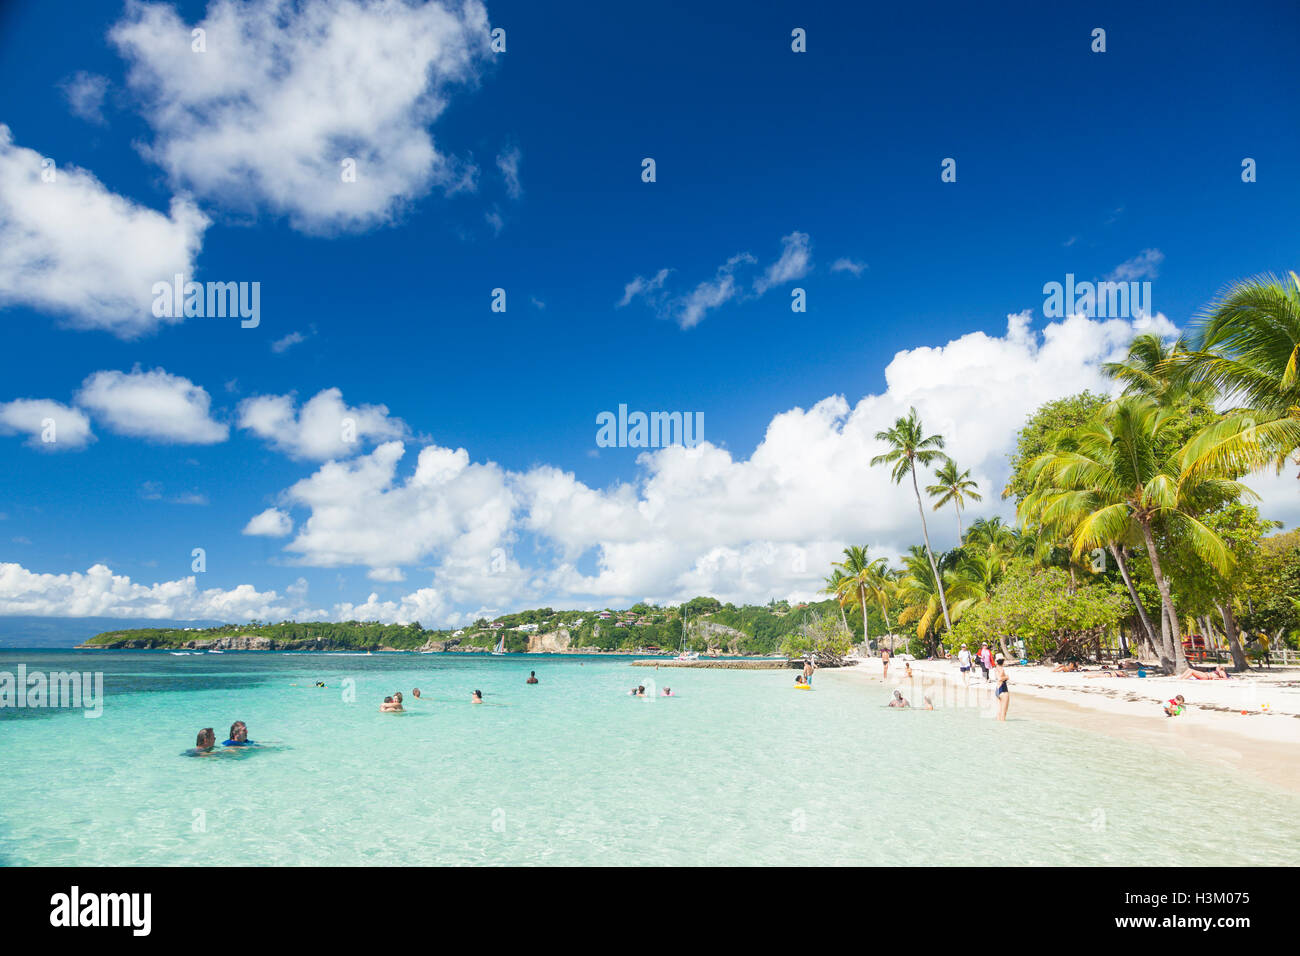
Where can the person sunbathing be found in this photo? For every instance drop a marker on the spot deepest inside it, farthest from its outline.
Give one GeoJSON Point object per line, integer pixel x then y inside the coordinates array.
{"type": "Point", "coordinates": [1193, 674]}
{"type": "Point", "coordinates": [1067, 668]}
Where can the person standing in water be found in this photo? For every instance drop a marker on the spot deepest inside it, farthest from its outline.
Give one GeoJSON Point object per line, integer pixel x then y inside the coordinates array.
{"type": "Point", "coordinates": [477, 698]}
{"type": "Point", "coordinates": [808, 668]}
{"type": "Point", "coordinates": [1001, 694]}
{"type": "Point", "coordinates": [532, 677]}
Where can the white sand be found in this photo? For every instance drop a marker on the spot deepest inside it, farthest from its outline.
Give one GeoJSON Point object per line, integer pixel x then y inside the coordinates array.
{"type": "Point", "coordinates": [1264, 741]}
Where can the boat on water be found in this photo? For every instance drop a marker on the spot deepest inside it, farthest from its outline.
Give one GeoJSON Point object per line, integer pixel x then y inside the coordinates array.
{"type": "Point", "coordinates": [688, 656]}
{"type": "Point", "coordinates": [216, 652]}
{"type": "Point", "coordinates": [500, 649]}
{"type": "Point", "coordinates": [180, 653]}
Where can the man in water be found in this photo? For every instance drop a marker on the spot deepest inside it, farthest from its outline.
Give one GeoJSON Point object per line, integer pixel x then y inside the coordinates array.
{"type": "Point", "coordinates": [808, 668]}
{"type": "Point", "coordinates": [390, 706]}
{"type": "Point", "coordinates": [899, 700]}
{"type": "Point", "coordinates": [238, 735]}
{"type": "Point", "coordinates": [205, 744]}
{"type": "Point", "coordinates": [532, 677]}
{"type": "Point", "coordinates": [477, 698]}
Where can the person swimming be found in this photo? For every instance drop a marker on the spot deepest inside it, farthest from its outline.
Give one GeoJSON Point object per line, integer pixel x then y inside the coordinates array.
{"type": "Point", "coordinates": [477, 698]}
{"type": "Point", "coordinates": [929, 704]}
{"type": "Point", "coordinates": [416, 693]}
{"type": "Point", "coordinates": [899, 700]}
{"type": "Point", "coordinates": [390, 706]}
{"type": "Point", "coordinates": [668, 692]}
{"type": "Point", "coordinates": [238, 736]}
{"type": "Point", "coordinates": [204, 745]}
{"type": "Point", "coordinates": [320, 683]}
{"type": "Point", "coordinates": [532, 677]}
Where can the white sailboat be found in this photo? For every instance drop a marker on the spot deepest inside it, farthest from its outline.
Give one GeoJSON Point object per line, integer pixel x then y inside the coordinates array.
{"type": "Point", "coordinates": [683, 653]}
{"type": "Point", "coordinates": [500, 649]}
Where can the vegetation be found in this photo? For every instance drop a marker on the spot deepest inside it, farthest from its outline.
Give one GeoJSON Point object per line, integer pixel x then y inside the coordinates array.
{"type": "Point", "coordinates": [1132, 520]}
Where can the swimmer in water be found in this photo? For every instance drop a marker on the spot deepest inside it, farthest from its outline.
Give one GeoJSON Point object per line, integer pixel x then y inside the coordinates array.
{"type": "Point", "coordinates": [205, 744]}
{"type": "Point", "coordinates": [532, 677]}
{"type": "Point", "coordinates": [320, 683]}
{"type": "Point", "coordinates": [477, 698]}
{"type": "Point", "coordinates": [929, 704]}
{"type": "Point", "coordinates": [668, 692]}
{"type": "Point", "coordinates": [390, 706]}
{"type": "Point", "coordinates": [899, 700]}
{"type": "Point", "coordinates": [238, 735]}
{"type": "Point", "coordinates": [416, 693]}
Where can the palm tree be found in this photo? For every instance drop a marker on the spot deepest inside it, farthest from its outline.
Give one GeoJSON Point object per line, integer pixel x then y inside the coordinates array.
{"type": "Point", "coordinates": [1246, 344]}
{"type": "Point", "coordinates": [908, 447]}
{"type": "Point", "coordinates": [839, 587]}
{"type": "Point", "coordinates": [1148, 370]}
{"type": "Point", "coordinates": [858, 573]}
{"type": "Point", "coordinates": [953, 486]}
{"type": "Point", "coordinates": [1110, 481]}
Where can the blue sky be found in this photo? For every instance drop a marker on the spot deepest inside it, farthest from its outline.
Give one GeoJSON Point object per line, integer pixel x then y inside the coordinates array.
{"type": "Point", "coordinates": [1068, 161]}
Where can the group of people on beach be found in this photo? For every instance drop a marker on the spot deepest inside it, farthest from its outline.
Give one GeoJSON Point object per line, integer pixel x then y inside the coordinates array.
{"type": "Point", "coordinates": [206, 742]}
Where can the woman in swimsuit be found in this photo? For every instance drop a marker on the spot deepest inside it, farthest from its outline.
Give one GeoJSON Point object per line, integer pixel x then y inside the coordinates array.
{"type": "Point", "coordinates": [1001, 694]}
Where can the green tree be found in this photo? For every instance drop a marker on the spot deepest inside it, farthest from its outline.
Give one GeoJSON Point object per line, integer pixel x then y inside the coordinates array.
{"type": "Point", "coordinates": [953, 486]}
{"type": "Point", "coordinates": [909, 446]}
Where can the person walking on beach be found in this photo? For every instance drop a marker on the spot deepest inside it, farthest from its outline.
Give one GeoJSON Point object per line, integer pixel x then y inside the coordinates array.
{"type": "Point", "coordinates": [884, 660]}
{"type": "Point", "coordinates": [985, 657]}
{"type": "Point", "coordinates": [1002, 695]}
{"type": "Point", "coordinates": [963, 662]}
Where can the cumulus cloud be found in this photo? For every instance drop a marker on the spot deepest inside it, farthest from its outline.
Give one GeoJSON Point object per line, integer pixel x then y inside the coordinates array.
{"type": "Point", "coordinates": [73, 248]}
{"type": "Point", "coordinates": [48, 425]}
{"type": "Point", "coordinates": [282, 94]}
{"type": "Point", "coordinates": [101, 593]}
{"type": "Point", "coordinates": [641, 286]}
{"type": "Point", "coordinates": [363, 513]}
{"type": "Point", "coordinates": [152, 405]}
{"type": "Point", "coordinates": [324, 428]}
{"type": "Point", "coordinates": [287, 342]}
{"type": "Point", "coordinates": [271, 523]}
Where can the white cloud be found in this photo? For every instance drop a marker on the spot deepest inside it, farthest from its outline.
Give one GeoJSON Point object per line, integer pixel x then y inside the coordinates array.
{"type": "Point", "coordinates": [711, 293]}
{"type": "Point", "coordinates": [508, 163]}
{"type": "Point", "coordinates": [387, 575]}
{"type": "Point", "coordinates": [362, 513]}
{"type": "Point", "coordinates": [1145, 265]}
{"type": "Point", "coordinates": [794, 263]}
{"type": "Point", "coordinates": [271, 523]}
{"type": "Point", "coordinates": [283, 94]}
{"type": "Point", "coordinates": [75, 249]}
{"type": "Point", "coordinates": [325, 427]}
{"type": "Point", "coordinates": [287, 342]}
{"type": "Point", "coordinates": [642, 286]}
{"type": "Point", "coordinates": [101, 593]}
{"type": "Point", "coordinates": [33, 416]}
{"type": "Point", "coordinates": [152, 405]}
{"type": "Point", "coordinates": [689, 309]}
{"type": "Point", "coordinates": [85, 95]}
{"type": "Point", "coordinates": [845, 264]}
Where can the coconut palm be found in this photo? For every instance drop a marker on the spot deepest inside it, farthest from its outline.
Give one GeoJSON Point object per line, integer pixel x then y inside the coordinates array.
{"type": "Point", "coordinates": [909, 446]}
{"type": "Point", "coordinates": [840, 587]}
{"type": "Point", "coordinates": [858, 575]}
{"type": "Point", "coordinates": [1246, 344]}
{"type": "Point", "coordinates": [955, 486]}
{"type": "Point", "coordinates": [1148, 370]}
{"type": "Point", "coordinates": [1111, 481]}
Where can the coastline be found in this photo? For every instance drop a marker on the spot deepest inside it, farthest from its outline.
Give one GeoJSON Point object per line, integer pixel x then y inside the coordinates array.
{"type": "Point", "coordinates": [1262, 742]}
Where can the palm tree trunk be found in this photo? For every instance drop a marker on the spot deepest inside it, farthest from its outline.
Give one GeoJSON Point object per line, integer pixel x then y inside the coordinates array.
{"type": "Point", "coordinates": [844, 620]}
{"type": "Point", "coordinates": [959, 533]}
{"type": "Point", "coordinates": [862, 596]}
{"type": "Point", "coordinates": [1118, 554]}
{"type": "Point", "coordinates": [1239, 661]}
{"type": "Point", "coordinates": [1171, 658]}
{"type": "Point", "coordinates": [925, 533]}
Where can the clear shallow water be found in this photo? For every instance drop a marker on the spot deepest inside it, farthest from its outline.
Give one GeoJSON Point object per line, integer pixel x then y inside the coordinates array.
{"type": "Point", "coordinates": [740, 769]}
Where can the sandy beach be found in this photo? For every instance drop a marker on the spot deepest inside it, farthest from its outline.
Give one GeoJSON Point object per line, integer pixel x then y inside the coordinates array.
{"type": "Point", "coordinates": [1263, 741]}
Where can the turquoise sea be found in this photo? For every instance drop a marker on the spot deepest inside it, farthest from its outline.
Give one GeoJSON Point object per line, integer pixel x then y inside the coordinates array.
{"type": "Point", "coordinates": [738, 769]}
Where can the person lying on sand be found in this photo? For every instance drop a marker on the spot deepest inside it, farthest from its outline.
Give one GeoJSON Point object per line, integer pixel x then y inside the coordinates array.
{"type": "Point", "coordinates": [1067, 668]}
{"type": "Point", "coordinates": [1106, 672]}
{"type": "Point", "coordinates": [899, 700]}
{"type": "Point", "coordinates": [1193, 674]}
